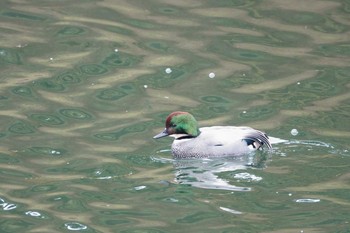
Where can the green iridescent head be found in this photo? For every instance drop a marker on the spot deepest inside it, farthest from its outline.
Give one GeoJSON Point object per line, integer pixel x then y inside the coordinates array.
{"type": "Point", "coordinates": [180, 123]}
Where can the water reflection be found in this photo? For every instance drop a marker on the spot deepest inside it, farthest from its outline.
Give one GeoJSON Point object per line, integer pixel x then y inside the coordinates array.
{"type": "Point", "coordinates": [206, 173]}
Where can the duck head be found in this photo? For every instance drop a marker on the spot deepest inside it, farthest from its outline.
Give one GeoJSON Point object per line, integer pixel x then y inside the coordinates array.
{"type": "Point", "coordinates": [179, 125]}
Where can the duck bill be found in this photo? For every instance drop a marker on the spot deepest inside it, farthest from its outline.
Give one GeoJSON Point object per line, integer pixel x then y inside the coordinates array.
{"type": "Point", "coordinates": [162, 134]}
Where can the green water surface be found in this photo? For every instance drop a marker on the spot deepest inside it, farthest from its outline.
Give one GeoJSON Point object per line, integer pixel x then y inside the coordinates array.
{"type": "Point", "coordinates": [84, 87]}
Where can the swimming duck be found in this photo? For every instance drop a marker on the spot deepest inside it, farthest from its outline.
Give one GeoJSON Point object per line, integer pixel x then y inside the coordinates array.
{"type": "Point", "coordinates": [207, 142]}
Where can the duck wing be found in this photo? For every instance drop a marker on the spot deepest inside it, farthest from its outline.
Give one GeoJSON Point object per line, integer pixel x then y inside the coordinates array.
{"type": "Point", "coordinates": [257, 139]}
{"type": "Point", "coordinates": [230, 135]}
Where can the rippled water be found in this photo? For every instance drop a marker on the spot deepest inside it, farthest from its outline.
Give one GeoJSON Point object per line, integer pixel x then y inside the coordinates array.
{"type": "Point", "coordinates": [86, 84]}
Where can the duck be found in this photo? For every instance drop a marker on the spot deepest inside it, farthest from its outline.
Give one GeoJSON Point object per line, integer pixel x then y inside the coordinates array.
{"type": "Point", "coordinates": [190, 141]}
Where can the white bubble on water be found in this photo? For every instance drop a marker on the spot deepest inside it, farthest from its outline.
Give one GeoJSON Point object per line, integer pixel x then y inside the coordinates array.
{"type": "Point", "coordinates": [140, 187]}
{"type": "Point", "coordinates": [212, 75]}
{"type": "Point", "coordinates": [168, 70]}
{"type": "Point", "coordinates": [232, 211]}
{"type": "Point", "coordinates": [247, 177]}
{"type": "Point", "coordinates": [75, 226]}
{"type": "Point", "coordinates": [294, 132]}
{"type": "Point", "coordinates": [307, 200]}
{"type": "Point", "coordinates": [33, 213]}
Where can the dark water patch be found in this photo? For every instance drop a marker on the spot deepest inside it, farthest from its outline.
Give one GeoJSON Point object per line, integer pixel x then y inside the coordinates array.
{"type": "Point", "coordinates": [2, 97]}
{"type": "Point", "coordinates": [69, 77]}
{"type": "Point", "coordinates": [127, 87]}
{"type": "Point", "coordinates": [115, 29]}
{"type": "Point", "coordinates": [245, 55]}
{"type": "Point", "coordinates": [23, 91]}
{"type": "Point", "coordinates": [142, 24]}
{"type": "Point", "coordinates": [169, 10]}
{"type": "Point", "coordinates": [344, 109]}
{"type": "Point", "coordinates": [15, 173]}
{"type": "Point", "coordinates": [231, 3]}
{"type": "Point", "coordinates": [239, 79]}
{"type": "Point", "coordinates": [75, 114]}
{"type": "Point", "coordinates": [126, 213]}
{"type": "Point", "coordinates": [21, 127]}
{"type": "Point", "coordinates": [295, 17]}
{"type": "Point", "coordinates": [72, 206]}
{"type": "Point", "coordinates": [329, 82]}
{"type": "Point", "coordinates": [240, 38]}
{"type": "Point", "coordinates": [49, 85]}
{"type": "Point", "coordinates": [214, 99]}
{"type": "Point", "coordinates": [158, 46]}
{"type": "Point", "coordinates": [8, 159]}
{"type": "Point", "coordinates": [231, 22]}
{"type": "Point", "coordinates": [113, 136]}
{"type": "Point", "coordinates": [333, 50]}
{"type": "Point", "coordinates": [331, 26]}
{"type": "Point", "coordinates": [47, 119]}
{"type": "Point", "coordinates": [93, 69]}
{"type": "Point", "coordinates": [143, 230]}
{"type": "Point", "coordinates": [116, 93]}
{"type": "Point", "coordinates": [71, 31]}
{"type": "Point", "coordinates": [77, 44]}
{"type": "Point", "coordinates": [59, 170]}
{"type": "Point", "coordinates": [341, 73]}
{"type": "Point", "coordinates": [9, 56]}
{"type": "Point", "coordinates": [23, 15]}
{"type": "Point", "coordinates": [197, 217]}
{"type": "Point", "coordinates": [121, 60]}
{"type": "Point", "coordinates": [8, 225]}
{"type": "Point", "coordinates": [43, 188]}
{"type": "Point", "coordinates": [111, 94]}
{"type": "Point", "coordinates": [346, 6]}
{"type": "Point", "coordinates": [317, 86]}
{"type": "Point", "coordinates": [91, 196]}
{"type": "Point", "coordinates": [288, 38]}
{"type": "Point", "coordinates": [112, 221]}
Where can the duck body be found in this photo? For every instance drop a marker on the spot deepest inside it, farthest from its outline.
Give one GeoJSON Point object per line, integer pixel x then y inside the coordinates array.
{"type": "Point", "coordinates": [207, 142]}
{"type": "Point", "coordinates": [216, 141]}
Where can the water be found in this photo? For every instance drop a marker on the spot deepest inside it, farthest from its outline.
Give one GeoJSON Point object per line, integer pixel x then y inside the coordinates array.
{"type": "Point", "coordinates": [86, 84]}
